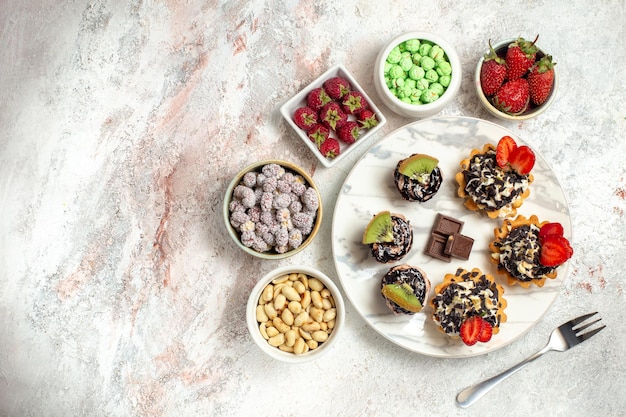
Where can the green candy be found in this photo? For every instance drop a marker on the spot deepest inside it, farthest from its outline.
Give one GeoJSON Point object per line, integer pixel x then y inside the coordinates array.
{"type": "Point", "coordinates": [416, 58]}
{"type": "Point", "coordinates": [436, 53]}
{"type": "Point", "coordinates": [437, 88]}
{"type": "Point", "coordinates": [422, 84]}
{"type": "Point", "coordinates": [431, 75]}
{"type": "Point", "coordinates": [406, 63]}
{"type": "Point", "coordinates": [428, 96]}
{"type": "Point", "coordinates": [416, 72]}
{"type": "Point", "coordinates": [444, 68]}
{"type": "Point", "coordinates": [396, 71]}
{"type": "Point", "coordinates": [409, 82]}
{"type": "Point", "coordinates": [444, 80]}
{"type": "Point", "coordinates": [427, 63]}
{"type": "Point", "coordinates": [394, 55]}
{"type": "Point", "coordinates": [425, 48]}
{"type": "Point", "coordinates": [386, 67]}
{"type": "Point", "coordinates": [412, 45]}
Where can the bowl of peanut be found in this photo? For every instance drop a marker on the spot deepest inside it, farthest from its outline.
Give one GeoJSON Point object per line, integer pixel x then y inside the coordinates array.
{"type": "Point", "coordinates": [295, 313]}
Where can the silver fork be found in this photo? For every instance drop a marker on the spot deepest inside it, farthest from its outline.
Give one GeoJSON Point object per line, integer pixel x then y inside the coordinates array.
{"type": "Point", "coordinates": [562, 338]}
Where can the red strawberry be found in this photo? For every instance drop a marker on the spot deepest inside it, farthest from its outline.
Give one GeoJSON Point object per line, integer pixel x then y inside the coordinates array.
{"type": "Point", "coordinates": [337, 87]}
{"type": "Point", "coordinates": [471, 328]}
{"type": "Point", "coordinates": [522, 160]}
{"type": "Point", "coordinates": [520, 56]}
{"type": "Point", "coordinates": [305, 118]}
{"type": "Point", "coordinates": [513, 96]}
{"type": "Point", "coordinates": [317, 98]}
{"type": "Point", "coordinates": [555, 250]}
{"type": "Point", "coordinates": [492, 72]}
{"type": "Point", "coordinates": [332, 116]}
{"type": "Point", "coordinates": [330, 148]}
{"type": "Point", "coordinates": [550, 229]}
{"type": "Point", "coordinates": [353, 102]}
{"type": "Point", "coordinates": [540, 80]}
{"type": "Point", "coordinates": [366, 118]}
{"type": "Point", "coordinates": [349, 132]}
{"type": "Point", "coordinates": [506, 145]}
{"type": "Point", "coordinates": [486, 332]}
{"type": "Point", "coordinates": [318, 134]}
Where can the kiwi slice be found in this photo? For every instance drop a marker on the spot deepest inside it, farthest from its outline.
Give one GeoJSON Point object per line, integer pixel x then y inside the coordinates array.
{"type": "Point", "coordinates": [379, 229]}
{"type": "Point", "coordinates": [402, 295]}
{"type": "Point", "coordinates": [418, 166]}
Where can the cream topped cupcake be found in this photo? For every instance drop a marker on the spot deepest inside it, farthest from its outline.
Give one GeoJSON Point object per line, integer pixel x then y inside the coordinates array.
{"type": "Point", "coordinates": [529, 252]}
{"type": "Point", "coordinates": [418, 177]}
{"type": "Point", "coordinates": [466, 294]}
{"type": "Point", "coordinates": [389, 236]}
{"type": "Point", "coordinates": [497, 179]}
{"type": "Point", "coordinates": [405, 289]}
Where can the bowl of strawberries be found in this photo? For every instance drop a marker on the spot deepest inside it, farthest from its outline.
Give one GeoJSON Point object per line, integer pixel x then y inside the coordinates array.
{"type": "Point", "coordinates": [333, 115]}
{"type": "Point", "coordinates": [515, 79]}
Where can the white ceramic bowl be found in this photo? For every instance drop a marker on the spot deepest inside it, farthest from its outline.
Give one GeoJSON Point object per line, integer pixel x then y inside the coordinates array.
{"type": "Point", "coordinates": [236, 235]}
{"type": "Point", "coordinates": [532, 111]}
{"type": "Point", "coordinates": [254, 324]}
{"type": "Point", "coordinates": [417, 110]}
{"type": "Point", "coordinates": [299, 100]}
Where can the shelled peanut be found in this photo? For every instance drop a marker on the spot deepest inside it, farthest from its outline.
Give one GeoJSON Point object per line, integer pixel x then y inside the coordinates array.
{"type": "Point", "coordinates": [296, 313]}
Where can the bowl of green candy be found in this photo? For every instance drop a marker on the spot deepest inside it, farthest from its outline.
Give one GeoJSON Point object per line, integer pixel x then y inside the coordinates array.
{"type": "Point", "coordinates": [417, 74]}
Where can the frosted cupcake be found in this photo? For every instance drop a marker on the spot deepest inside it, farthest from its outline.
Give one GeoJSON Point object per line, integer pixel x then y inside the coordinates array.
{"type": "Point", "coordinates": [405, 289]}
{"type": "Point", "coordinates": [497, 179]}
{"type": "Point", "coordinates": [529, 252]}
{"type": "Point", "coordinates": [389, 237]}
{"type": "Point", "coordinates": [466, 294]}
{"type": "Point", "coordinates": [418, 177]}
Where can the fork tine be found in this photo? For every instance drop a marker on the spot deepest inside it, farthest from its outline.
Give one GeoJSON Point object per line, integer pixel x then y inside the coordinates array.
{"type": "Point", "coordinates": [583, 327]}
{"type": "Point", "coordinates": [580, 319]}
{"type": "Point", "coordinates": [590, 333]}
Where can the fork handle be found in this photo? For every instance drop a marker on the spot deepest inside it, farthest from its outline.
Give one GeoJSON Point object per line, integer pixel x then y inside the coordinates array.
{"type": "Point", "coordinates": [472, 394]}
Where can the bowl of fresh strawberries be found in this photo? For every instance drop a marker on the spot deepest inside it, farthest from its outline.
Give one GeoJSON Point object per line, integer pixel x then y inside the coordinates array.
{"type": "Point", "coordinates": [333, 115]}
{"type": "Point", "coordinates": [515, 79]}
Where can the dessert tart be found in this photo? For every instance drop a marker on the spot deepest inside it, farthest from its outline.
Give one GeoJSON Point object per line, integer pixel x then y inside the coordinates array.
{"type": "Point", "coordinates": [405, 289]}
{"type": "Point", "coordinates": [529, 252]}
{"type": "Point", "coordinates": [496, 179]}
{"type": "Point", "coordinates": [466, 294]}
{"type": "Point", "coordinates": [418, 177]}
{"type": "Point", "coordinates": [389, 236]}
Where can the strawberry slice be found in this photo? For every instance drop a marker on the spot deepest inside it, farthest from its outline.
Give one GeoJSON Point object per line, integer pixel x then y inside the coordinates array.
{"type": "Point", "coordinates": [550, 229]}
{"type": "Point", "coordinates": [522, 160]}
{"type": "Point", "coordinates": [555, 250]}
{"type": "Point", "coordinates": [506, 145]}
{"type": "Point", "coordinates": [471, 329]}
{"type": "Point", "coordinates": [486, 332]}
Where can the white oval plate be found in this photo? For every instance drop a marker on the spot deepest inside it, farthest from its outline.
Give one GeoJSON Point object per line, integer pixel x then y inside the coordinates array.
{"type": "Point", "coordinates": [369, 188]}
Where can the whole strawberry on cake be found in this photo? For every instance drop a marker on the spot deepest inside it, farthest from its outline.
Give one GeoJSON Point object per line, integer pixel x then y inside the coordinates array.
{"type": "Point", "coordinates": [496, 179]}
{"type": "Point", "coordinates": [529, 252]}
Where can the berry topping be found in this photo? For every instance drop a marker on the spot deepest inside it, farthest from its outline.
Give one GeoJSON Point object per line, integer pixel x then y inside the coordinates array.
{"type": "Point", "coordinates": [555, 250]}
{"type": "Point", "coordinates": [522, 160]}
{"type": "Point", "coordinates": [305, 118]}
{"type": "Point", "coordinates": [506, 145]}
{"type": "Point", "coordinates": [550, 229]}
{"type": "Point", "coordinates": [473, 330]}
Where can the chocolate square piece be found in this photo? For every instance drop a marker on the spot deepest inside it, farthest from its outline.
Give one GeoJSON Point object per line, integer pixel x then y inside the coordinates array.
{"type": "Point", "coordinates": [436, 247]}
{"type": "Point", "coordinates": [447, 225]}
{"type": "Point", "coordinates": [459, 246]}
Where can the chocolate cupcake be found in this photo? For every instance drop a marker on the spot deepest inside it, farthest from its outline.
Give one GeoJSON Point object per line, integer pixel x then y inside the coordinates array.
{"type": "Point", "coordinates": [405, 289]}
{"type": "Point", "coordinates": [523, 246]}
{"type": "Point", "coordinates": [490, 184]}
{"type": "Point", "coordinates": [389, 237]}
{"type": "Point", "coordinates": [418, 177]}
{"type": "Point", "coordinates": [465, 294]}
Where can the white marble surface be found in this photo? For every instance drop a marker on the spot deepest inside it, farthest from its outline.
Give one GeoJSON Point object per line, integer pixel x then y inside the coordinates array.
{"type": "Point", "coordinates": [122, 123]}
